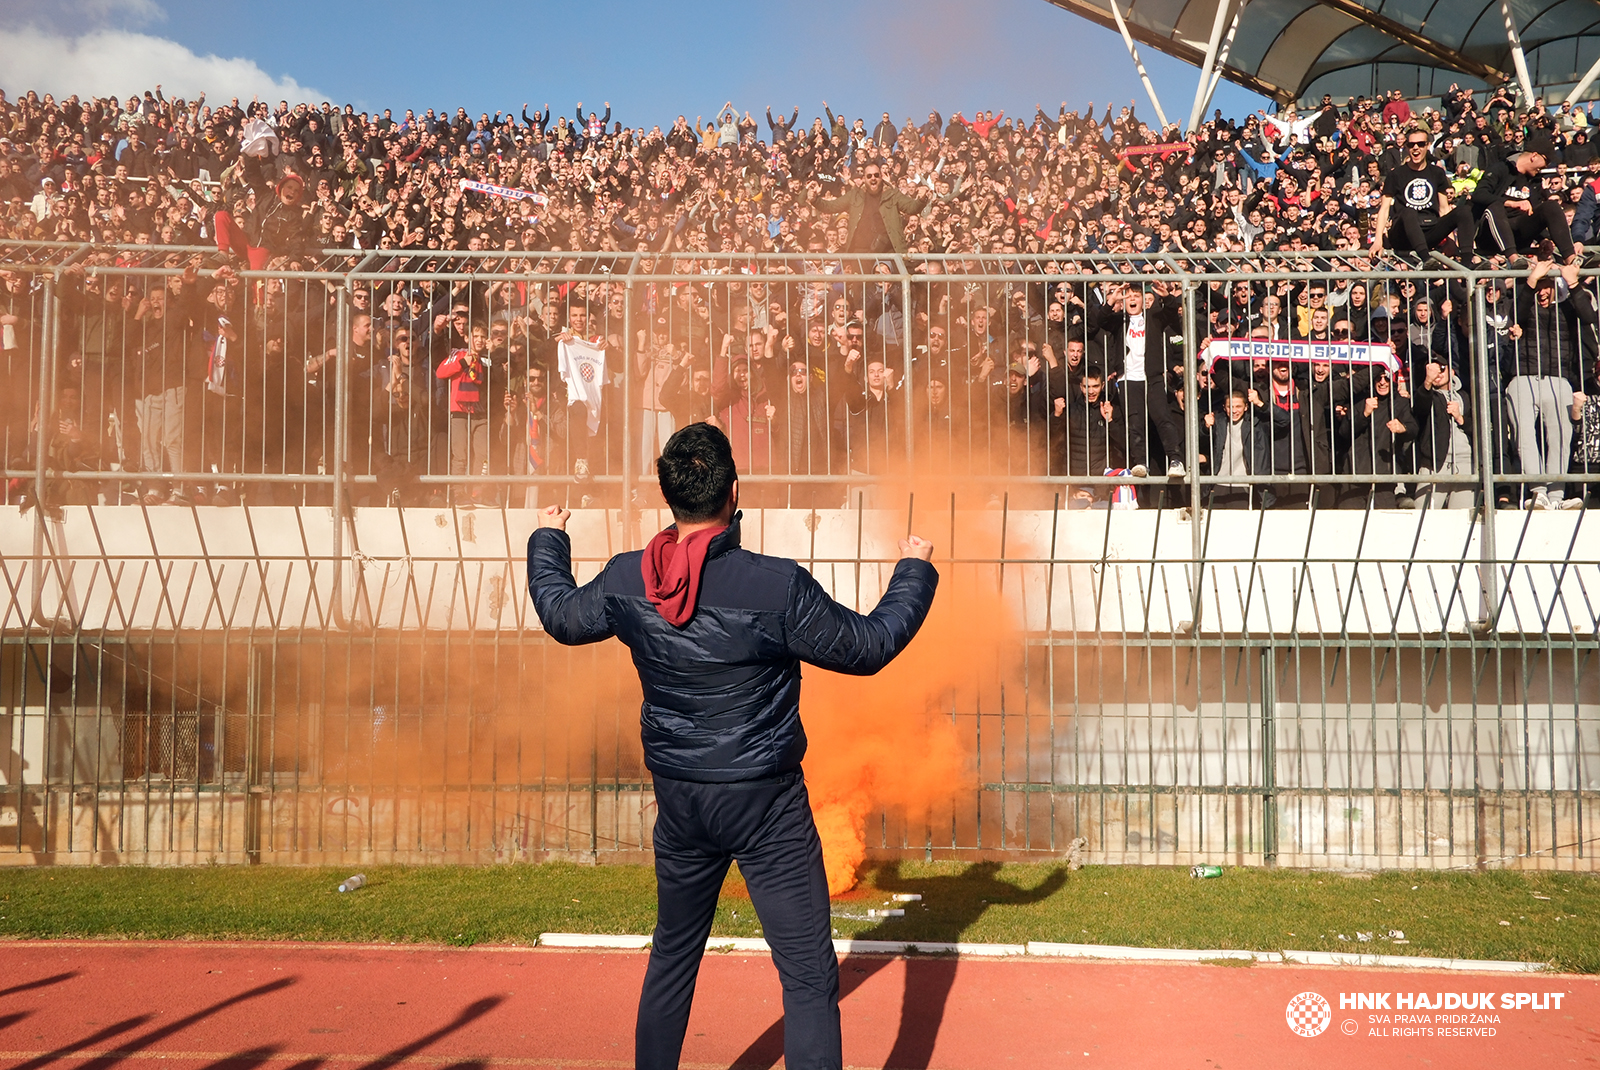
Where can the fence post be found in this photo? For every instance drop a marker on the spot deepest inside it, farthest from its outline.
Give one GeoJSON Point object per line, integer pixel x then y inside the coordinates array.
{"type": "Point", "coordinates": [630, 505]}
{"type": "Point", "coordinates": [909, 385]}
{"type": "Point", "coordinates": [1487, 455]}
{"type": "Point", "coordinates": [41, 443]}
{"type": "Point", "coordinates": [1191, 431]}
{"type": "Point", "coordinates": [341, 389]}
{"type": "Point", "coordinates": [252, 755]}
{"type": "Point", "coordinates": [1269, 757]}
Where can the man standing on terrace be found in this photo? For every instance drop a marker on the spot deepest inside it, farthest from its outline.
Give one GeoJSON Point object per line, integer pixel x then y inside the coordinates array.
{"type": "Point", "coordinates": [718, 634]}
{"type": "Point", "coordinates": [877, 212]}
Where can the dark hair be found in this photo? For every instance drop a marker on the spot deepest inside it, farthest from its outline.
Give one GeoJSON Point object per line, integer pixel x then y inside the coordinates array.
{"type": "Point", "coordinates": [696, 472]}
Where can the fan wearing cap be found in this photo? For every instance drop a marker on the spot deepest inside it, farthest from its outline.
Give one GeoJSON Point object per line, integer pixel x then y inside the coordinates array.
{"type": "Point", "coordinates": [1515, 211]}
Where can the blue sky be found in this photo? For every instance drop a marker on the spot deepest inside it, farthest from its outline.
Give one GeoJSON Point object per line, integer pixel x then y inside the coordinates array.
{"type": "Point", "coordinates": [650, 59]}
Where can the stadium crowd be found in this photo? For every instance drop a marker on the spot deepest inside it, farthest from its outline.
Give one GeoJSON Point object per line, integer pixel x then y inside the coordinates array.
{"type": "Point", "coordinates": [1005, 357]}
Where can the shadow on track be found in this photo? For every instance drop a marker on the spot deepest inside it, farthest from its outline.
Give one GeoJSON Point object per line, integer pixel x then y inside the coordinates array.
{"type": "Point", "coordinates": [954, 905]}
{"type": "Point", "coordinates": [247, 1060]}
{"type": "Point", "coordinates": [88, 1042]}
{"type": "Point", "coordinates": [137, 1044]}
{"type": "Point", "coordinates": [470, 1013]}
{"type": "Point", "coordinates": [251, 1058]}
{"type": "Point", "coordinates": [43, 982]}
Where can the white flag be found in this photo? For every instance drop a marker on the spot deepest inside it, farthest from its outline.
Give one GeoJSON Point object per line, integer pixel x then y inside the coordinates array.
{"type": "Point", "coordinates": [582, 367]}
{"type": "Point", "coordinates": [259, 139]}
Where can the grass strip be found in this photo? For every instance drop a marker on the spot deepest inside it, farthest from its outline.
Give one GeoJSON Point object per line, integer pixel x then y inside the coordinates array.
{"type": "Point", "coordinates": [1529, 916]}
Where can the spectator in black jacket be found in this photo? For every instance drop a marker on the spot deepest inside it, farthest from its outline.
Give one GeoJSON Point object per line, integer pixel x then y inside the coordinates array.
{"type": "Point", "coordinates": [1383, 429]}
{"type": "Point", "coordinates": [686, 392]}
{"type": "Point", "coordinates": [1133, 344]}
{"type": "Point", "coordinates": [1239, 444]}
{"type": "Point", "coordinates": [1094, 438]}
{"type": "Point", "coordinates": [1516, 212]}
{"type": "Point", "coordinates": [871, 421]}
{"type": "Point", "coordinates": [170, 357]}
{"type": "Point", "coordinates": [718, 635]}
{"type": "Point", "coordinates": [802, 434]}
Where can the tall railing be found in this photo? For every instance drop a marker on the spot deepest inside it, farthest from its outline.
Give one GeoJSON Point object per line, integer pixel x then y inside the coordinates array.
{"type": "Point", "coordinates": [251, 616]}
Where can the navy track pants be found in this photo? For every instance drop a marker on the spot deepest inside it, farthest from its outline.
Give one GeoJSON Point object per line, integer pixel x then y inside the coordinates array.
{"type": "Point", "coordinates": [766, 826]}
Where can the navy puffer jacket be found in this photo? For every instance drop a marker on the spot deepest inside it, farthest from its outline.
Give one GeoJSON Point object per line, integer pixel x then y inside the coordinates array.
{"type": "Point", "coordinates": [722, 693]}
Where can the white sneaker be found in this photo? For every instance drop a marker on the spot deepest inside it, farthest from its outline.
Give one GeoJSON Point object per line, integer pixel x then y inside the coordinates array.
{"type": "Point", "coordinates": [1541, 500]}
{"type": "Point", "coordinates": [1176, 470]}
{"type": "Point", "coordinates": [1570, 504]}
{"type": "Point", "coordinates": [1138, 471]}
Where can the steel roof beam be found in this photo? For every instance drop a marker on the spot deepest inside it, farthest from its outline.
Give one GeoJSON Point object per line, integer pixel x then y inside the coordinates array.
{"type": "Point", "coordinates": [1441, 54]}
{"type": "Point", "coordinates": [1447, 56]}
{"type": "Point", "coordinates": [1176, 49]}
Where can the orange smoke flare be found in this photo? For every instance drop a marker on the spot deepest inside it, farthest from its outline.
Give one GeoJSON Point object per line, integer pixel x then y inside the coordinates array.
{"type": "Point", "coordinates": [889, 742]}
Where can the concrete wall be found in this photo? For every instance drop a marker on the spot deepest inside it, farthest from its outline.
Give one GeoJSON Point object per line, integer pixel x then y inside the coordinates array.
{"type": "Point", "coordinates": [252, 724]}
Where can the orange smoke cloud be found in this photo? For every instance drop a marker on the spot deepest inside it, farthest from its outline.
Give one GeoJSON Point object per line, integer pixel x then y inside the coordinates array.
{"type": "Point", "coordinates": [890, 742]}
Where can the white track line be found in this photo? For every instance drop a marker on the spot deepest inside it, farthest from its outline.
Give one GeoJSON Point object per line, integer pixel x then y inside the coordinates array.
{"type": "Point", "coordinates": [1347, 958]}
{"type": "Point", "coordinates": [1042, 949]}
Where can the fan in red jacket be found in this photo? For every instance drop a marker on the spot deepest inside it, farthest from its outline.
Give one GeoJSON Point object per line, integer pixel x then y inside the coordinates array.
{"type": "Point", "coordinates": [467, 371]}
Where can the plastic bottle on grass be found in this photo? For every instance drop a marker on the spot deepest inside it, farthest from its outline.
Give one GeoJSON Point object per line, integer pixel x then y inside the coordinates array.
{"type": "Point", "coordinates": [1201, 872]}
{"type": "Point", "coordinates": [350, 884]}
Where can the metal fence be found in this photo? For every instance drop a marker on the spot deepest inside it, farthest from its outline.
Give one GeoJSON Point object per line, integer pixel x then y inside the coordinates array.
{"type": "Point", "coordinates": [265, 590]}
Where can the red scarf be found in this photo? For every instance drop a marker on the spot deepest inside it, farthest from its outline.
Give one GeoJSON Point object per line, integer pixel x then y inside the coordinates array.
{"type": "Point", "coordinates": [672, 572]}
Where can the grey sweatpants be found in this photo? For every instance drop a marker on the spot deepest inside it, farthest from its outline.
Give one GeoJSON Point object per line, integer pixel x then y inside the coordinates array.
{"type": "Point", "coordinates": [160, 418]}
{"type": "Point", "coordinates": [1457, 461]}
{"type": "Point", "coordinates": [1539, 408]}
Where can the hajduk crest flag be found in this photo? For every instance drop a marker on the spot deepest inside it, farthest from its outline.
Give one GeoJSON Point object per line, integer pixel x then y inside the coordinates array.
{"type": "Point", "coordinates": [582, 366]}
{"type": "Point", "coordinates": [1349, 353]}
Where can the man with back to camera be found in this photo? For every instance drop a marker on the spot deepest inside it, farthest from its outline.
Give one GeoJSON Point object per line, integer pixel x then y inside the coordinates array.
{"type": "Point", "coordinates": [718, 635]}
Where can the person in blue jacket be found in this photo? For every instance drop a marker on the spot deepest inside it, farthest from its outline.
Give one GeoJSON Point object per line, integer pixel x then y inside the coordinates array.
{"type": "Point", "coordinates": [718, 635]}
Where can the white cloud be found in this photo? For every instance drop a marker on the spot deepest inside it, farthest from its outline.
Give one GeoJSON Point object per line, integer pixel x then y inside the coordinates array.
{"type": "Point", "coordinates": [110, 62]}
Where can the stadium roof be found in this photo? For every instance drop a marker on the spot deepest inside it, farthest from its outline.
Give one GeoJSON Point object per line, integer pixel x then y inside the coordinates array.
{"type": "Point", "coordinates": [1297, 50]}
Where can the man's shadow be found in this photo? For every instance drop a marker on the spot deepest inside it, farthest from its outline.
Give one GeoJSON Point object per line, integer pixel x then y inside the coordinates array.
{"type": "Point", "coordinates": [949, 907]}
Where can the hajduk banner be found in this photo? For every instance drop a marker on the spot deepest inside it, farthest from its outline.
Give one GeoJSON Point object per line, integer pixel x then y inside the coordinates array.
{"type": "Point", "coordinates": [1169, 148]}
{"type": "Point", "coordinates": [1166, 148]}
{"type": "Point", "coordinates": [1300, 352]}
{"type": "Point", "coordinates": [504, 191]}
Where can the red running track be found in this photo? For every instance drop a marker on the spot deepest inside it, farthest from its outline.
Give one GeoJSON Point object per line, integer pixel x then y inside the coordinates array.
{"type": "Point", "coordinates": [303, 1007]}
